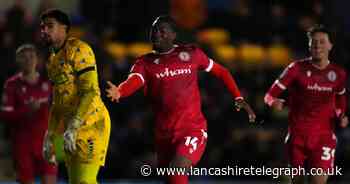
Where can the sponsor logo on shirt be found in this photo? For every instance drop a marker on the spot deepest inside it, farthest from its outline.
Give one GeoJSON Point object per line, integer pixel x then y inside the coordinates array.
{"type": "Point", "coordinates": [184, 56]}
{"type": "Point", "coordinates": [316, 87]}
{"type": "Point", "coordinates": [308, 73]}
{"type": "Point", "coordinates": [156, 61]}
{"type": "Point", "coordinates": [170, 73]}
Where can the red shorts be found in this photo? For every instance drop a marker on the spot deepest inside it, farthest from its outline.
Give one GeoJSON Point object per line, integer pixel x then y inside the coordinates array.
{"type": "Point", "coordinates": [29, 162]}
{"type": "Point", "coordinates": [190, 145]}
{"type": "Point", "coordinates": [316, 151]}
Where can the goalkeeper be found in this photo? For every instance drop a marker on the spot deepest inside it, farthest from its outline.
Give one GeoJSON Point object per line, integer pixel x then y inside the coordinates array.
{"type": "Point", "coordinates": [77, 113]}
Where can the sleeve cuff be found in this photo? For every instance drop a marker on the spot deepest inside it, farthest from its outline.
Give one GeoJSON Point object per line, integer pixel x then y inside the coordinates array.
{"type": "Point", "coordinates": [210, 66]}
{"type": "Point", "coordinates": [280, 85]}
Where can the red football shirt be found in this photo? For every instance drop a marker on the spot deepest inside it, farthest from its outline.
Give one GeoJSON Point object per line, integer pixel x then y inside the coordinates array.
{"type": "Point", "coordinates": [171, 84]}
{"type": "Point", "coordinates": [311, 95]}
{"type": "Point", "coordinates": [15, 110]}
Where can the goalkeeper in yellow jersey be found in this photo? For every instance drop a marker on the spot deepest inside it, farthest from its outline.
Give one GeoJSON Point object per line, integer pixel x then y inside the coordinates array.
{"type": "Point", "coordinates": [77, 112]}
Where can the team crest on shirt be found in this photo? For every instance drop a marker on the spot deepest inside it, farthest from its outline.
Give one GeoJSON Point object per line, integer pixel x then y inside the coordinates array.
{"type": "Point", "coordinates": [24, 89]}
{"type": "Point", "coordinates": [308, 73]}
{"type": "Point", "coordinates": [61, 62]}
{"type": "Point", "coordinates": [332, 76]}
{"type": "Point", "coordinates": [156, 61]}
{"type": "Point", "coordinates": [184, 56]}
{"type": "Point", "coordinates": [83, 61]}
{"type": "Point", "coordinates": [45, 86]}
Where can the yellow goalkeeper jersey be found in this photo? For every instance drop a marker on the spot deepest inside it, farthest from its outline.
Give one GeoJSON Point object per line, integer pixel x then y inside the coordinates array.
{"type": "Point", "coordinates": [73, 72]}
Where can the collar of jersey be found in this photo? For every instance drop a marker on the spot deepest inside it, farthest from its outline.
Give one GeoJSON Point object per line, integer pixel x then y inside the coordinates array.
{"type": "Point", "coordinates": [54, 50]}
{"type": "Point", "coordinates": [318, 66]}
{"type": "Point", "coordinates": [167, 52]}
{"type": "Point", "coordinates": [20, 74]}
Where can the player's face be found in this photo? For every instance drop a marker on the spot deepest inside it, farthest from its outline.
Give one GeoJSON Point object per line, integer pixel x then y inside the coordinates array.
{"type": "Point", "coordinates": [320, 46]}
{"type": "Point", "coordinates": [162, 35]}
{"type": "Point", "coordinates": [27, 60]}
{"type": "Point", "coordinates": [51, 31]}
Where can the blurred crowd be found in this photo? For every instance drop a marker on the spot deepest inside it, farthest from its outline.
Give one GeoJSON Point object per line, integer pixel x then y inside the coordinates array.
{"type": "Point", "coordinates": [254, 39]}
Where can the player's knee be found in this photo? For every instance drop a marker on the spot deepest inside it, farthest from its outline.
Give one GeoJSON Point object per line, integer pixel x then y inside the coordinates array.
{"type": "Point", "coordinates": [181, 162]}
{"type": "Point", "coordinates": [298, 180]}
{"type": "Point", "coordinates": [319, 179]}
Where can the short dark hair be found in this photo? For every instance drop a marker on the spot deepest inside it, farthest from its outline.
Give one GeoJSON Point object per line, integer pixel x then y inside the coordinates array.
{"type": "Point", "coordinates": [166, 19]}
{"type": "Point", "coordinates": [57, 14]}
{"type": "Point", "coordinates": [319, 28]}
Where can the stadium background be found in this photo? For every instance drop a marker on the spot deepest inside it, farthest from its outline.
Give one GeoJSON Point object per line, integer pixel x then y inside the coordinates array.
{"type": "Point", "coordinates": [255, 39]}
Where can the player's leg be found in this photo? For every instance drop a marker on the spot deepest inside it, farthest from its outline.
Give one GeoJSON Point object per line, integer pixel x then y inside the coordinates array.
{"type": "Point", "coordinates": [82, 173]}
{"type": "Point", "coordinates": [179, 162]}
{"type": "Point", "coordinates": [47, 172]}
{"type": "Point", "coordinates": [164, 153]}
{"type": "Point", "coordinates": [48, 179]}
{"type": "Point", "coordinates": [24, 164]}
{"type": "Point", "coordinates": [322, 156]}
{"type": "Point", "coordinates": [319, 179]}
{"type": "Point", "coordinates": [91, 150]}
{"type": "Point", "coordinates": [189, 149]}
{"type": "Point", "coordinates": [296, 155]}
{"type": "Point", "coordinates": [298, 180]}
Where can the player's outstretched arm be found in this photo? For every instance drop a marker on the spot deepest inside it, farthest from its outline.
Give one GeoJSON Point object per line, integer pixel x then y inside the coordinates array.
{"type": "Point", "coordinates": [274, 102]}
{"type": "Point", "coordinates": [112, 92]}
{"type": "Point", "coordinates": [224, 75]}
{"type": "Point", "coordinates": [341, 108]}
{"type": "Point", "coordinates": [281, 84]}
{"type": "Point", "coordinates": [125, 89]}
{"type": "Point", "coordinates": [241, 103]}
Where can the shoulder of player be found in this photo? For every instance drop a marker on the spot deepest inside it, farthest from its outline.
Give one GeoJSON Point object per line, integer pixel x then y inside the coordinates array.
{"type": "Point", "coordinates": [338, 69]}
{"type": "Point", "coordinates": [14, 80]}
{"type": "Point", "coordinates": [146, 58]}
{"type": "Point", "coordinates": [44, 79]}
{"type": "Point", "coordinates": [75, 45]}
{"type": "Point", "coordinates": [299, 63]}
{"type": "Point", "coordinates": [150, 57]}
{"type": "Point", "coordinates": [187, 48]}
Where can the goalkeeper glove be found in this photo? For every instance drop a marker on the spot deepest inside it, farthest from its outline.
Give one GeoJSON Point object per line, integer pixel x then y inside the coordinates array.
{"type": "Point", "coordinates": [70, 134]}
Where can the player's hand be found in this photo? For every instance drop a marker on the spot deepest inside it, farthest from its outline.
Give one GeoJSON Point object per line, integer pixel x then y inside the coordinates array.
{"type": "Point", "coordinates": [33, 104]}
{"type": "Point", "coordinates": [241, 103]}
{"type": "Point", "coordinates": [278, 104]}
{"type": "Point", "coordinates": [48, 152]}
{"type": "Point", "coordinates": [113, 92]}
{"type": "Point", "coordinates": [70, 135]}
{"type": "Point", "coordinates": [344, 121]}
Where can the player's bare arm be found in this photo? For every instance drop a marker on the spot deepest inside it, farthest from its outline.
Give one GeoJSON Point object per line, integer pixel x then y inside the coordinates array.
{"type": "Point", "coordinates": [112, 92]}
{"type": "Point", "coordinates": [241, 103]}
{"type": "Point", "coordinates": [344, 121]}
{"type": "Point", "coordinates": [276, 104]}
{"type": "Point", "coordinates": [124, 89]}
{"type": "Point", "coordinates": [225, 76]}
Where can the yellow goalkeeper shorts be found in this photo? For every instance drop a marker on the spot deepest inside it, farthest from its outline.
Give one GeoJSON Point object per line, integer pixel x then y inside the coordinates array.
{"type": "Point", "coordinates": [92, 140]}
{"type": "Point", "coordinates": [82, 173]}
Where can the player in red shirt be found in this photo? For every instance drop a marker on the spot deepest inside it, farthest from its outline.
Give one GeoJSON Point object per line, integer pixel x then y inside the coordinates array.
{"type": "Point", "coordinates": [25, 104]}
{"type": "Point", "coordinates": [169, 76]}
{"type": "Point", "coordinates": [316, 98]}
